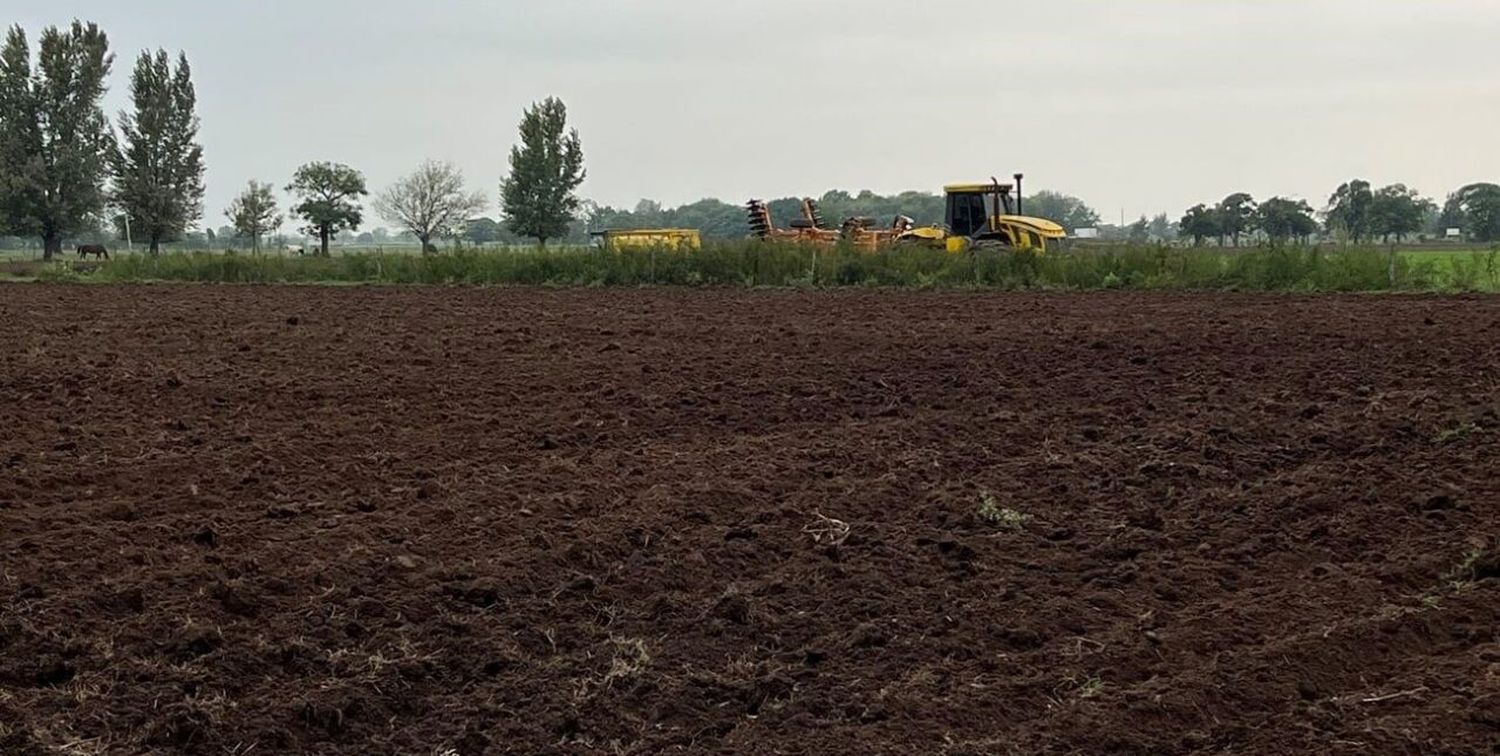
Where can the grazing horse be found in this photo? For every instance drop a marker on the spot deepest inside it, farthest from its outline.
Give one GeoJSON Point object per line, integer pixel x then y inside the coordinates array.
{"type": "Point", "coordinates": [97, 250]}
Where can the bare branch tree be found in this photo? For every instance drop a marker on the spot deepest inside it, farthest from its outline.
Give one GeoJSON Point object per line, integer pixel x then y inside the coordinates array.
{"type": "Point", "coordinates": [431, 203]}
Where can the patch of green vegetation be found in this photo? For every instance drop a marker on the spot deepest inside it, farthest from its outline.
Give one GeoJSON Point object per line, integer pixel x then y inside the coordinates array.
{"type": "Point", "coordinates": [1460, 270]}
{"type": "Point", "coordinates": [991, 512]}
{"type": "Point", "coordinates": [1456, 434]}
{"type": "Point", "coordinates": [756, 263]}
{"type": "Point", "coordinates": [1479, 563]}
{"type": "Point", "coordinates": [59, 272]}
{"type": "Point", "coordinates": [1082, 687]}
{"type": "Point", "coordinates": [1091, 688]}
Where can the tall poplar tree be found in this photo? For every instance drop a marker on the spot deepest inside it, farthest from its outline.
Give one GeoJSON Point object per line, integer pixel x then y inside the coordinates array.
{"type": "Point", "coordinates": [159, 168]}
{"type": "Point", "coordinates": [55, 142]}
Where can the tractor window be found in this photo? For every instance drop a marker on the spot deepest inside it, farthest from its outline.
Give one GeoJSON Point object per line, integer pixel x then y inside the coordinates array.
{"type": "Point", "coordinates": [1002, 204]}
{"type": "Point", "coordinates": [967, 214]}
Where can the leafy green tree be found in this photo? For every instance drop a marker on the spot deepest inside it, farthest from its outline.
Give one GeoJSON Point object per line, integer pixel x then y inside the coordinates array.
{"type": "Point", "coordinates": [1431, 212]}
{"type": "Point", "coordinates": [785, 209]}
{"type": "Point", "coordinates": [1236, 213]}
{"type": "Point", "coordinates": [545, 169]}
{"type": "Point", "coordinates": [1067, 211]}
{"type": "Point", "coordinates": [1281, 219]}
{"type": "Point", "coordinates": [1140, 231]}
{"type": "Point", "coordinates": [1201, 222]}
{"type": "Point", "coordinates": [1396, 211]}
{"type": "Point", "coordinates": [55, 142]}
{"type": "Point", "coordinates": [254, 213]}
{"type": "Point", "coordinates": [924, 208]}
{"type": "Point", "coordinates": [328, 195]}
{"type": "Point", "coordinates": [1161, 228]}
{"type": "Point", "coordinates": [583, 219]}
{"type": "Point", "coordinates": [482, 231]}
{"type": "Point", "coordinates": [1451, 216]}
{"type": "Point", "coordinates": [716, 219]}
{"type": "Point", "coordinates": [1481, 211]}
{"type": "Point", "coordinates": [430, 203]}
{"type": "Point", "coordinates": [229, 236]}
{"type": "Point", "coordinates": [1349, 210]}
{"type": "Point", "coordinates": [649, 213]}
{"type": "Point", "coordinates": [159, 169]}
{"type": "Point", "coordinates": [837, 205]}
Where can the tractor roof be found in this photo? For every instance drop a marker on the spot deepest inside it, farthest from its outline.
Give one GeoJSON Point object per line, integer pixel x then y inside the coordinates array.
{"type": "Point", "coordinates": [988, 186]}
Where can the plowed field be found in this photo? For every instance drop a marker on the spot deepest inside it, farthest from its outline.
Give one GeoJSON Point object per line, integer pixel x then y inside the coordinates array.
{"type": "Point", "coordinates": [466, 521]}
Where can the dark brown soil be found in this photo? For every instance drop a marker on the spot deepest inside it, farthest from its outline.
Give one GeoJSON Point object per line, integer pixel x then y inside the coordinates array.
{"type": "Point", "coordinates": [370, 520]}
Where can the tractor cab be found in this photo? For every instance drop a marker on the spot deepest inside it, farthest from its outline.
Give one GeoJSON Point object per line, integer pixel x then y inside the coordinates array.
{"type": "Point", "coordinates": [990, 215]}
{"type": "Point", "coordinates": [974, 208]}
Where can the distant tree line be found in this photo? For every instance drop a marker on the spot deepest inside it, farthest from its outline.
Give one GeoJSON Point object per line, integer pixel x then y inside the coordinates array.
{"type": "Point", "coordinates": [1356, 213]}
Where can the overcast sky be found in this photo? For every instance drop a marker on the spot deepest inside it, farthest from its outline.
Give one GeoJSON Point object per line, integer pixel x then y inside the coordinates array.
{"type": "Point", "coordinates": [1139, 106]}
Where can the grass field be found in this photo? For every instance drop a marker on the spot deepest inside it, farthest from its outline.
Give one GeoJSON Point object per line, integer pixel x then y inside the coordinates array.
{"type": "Point", "coordinates": [761, 264]}
{"type": "Point", "coordinates": [1477, 264]}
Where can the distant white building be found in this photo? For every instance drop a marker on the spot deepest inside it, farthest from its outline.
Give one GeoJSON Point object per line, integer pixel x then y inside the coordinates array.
{"type": "Point", "coordinates": [1086, 233]}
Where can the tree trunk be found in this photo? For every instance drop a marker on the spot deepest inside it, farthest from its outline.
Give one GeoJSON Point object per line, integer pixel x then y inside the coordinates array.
{"type": "Point", "coordinates": [255, 243]}
{"type": "Point", "coordinates": [541, 242]}
{"type": "Point", "coordinates": [427, 248]}
{"type": "Point", "coordinates": [51, 244]}
{"type": "Point", "coordinates": [155, 246]}
{"type": "Point", "coordinates": [323, 237]}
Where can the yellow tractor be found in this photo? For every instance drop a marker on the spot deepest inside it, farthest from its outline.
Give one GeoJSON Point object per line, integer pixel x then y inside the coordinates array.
{"type": "Point", "coordinates": [983, 216]}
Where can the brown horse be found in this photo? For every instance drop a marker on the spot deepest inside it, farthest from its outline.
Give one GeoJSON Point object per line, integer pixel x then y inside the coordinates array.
{"type": "Point", "coordinates": [84, 250]}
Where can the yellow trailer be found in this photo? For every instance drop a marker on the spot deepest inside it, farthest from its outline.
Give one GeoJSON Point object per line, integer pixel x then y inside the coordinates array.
{"type": "Point", "coordinates": [622, 239]}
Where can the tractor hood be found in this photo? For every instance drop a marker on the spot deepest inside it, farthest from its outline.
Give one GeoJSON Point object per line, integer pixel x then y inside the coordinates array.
{"type": "Point", "coordinates": [1040, 226]}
